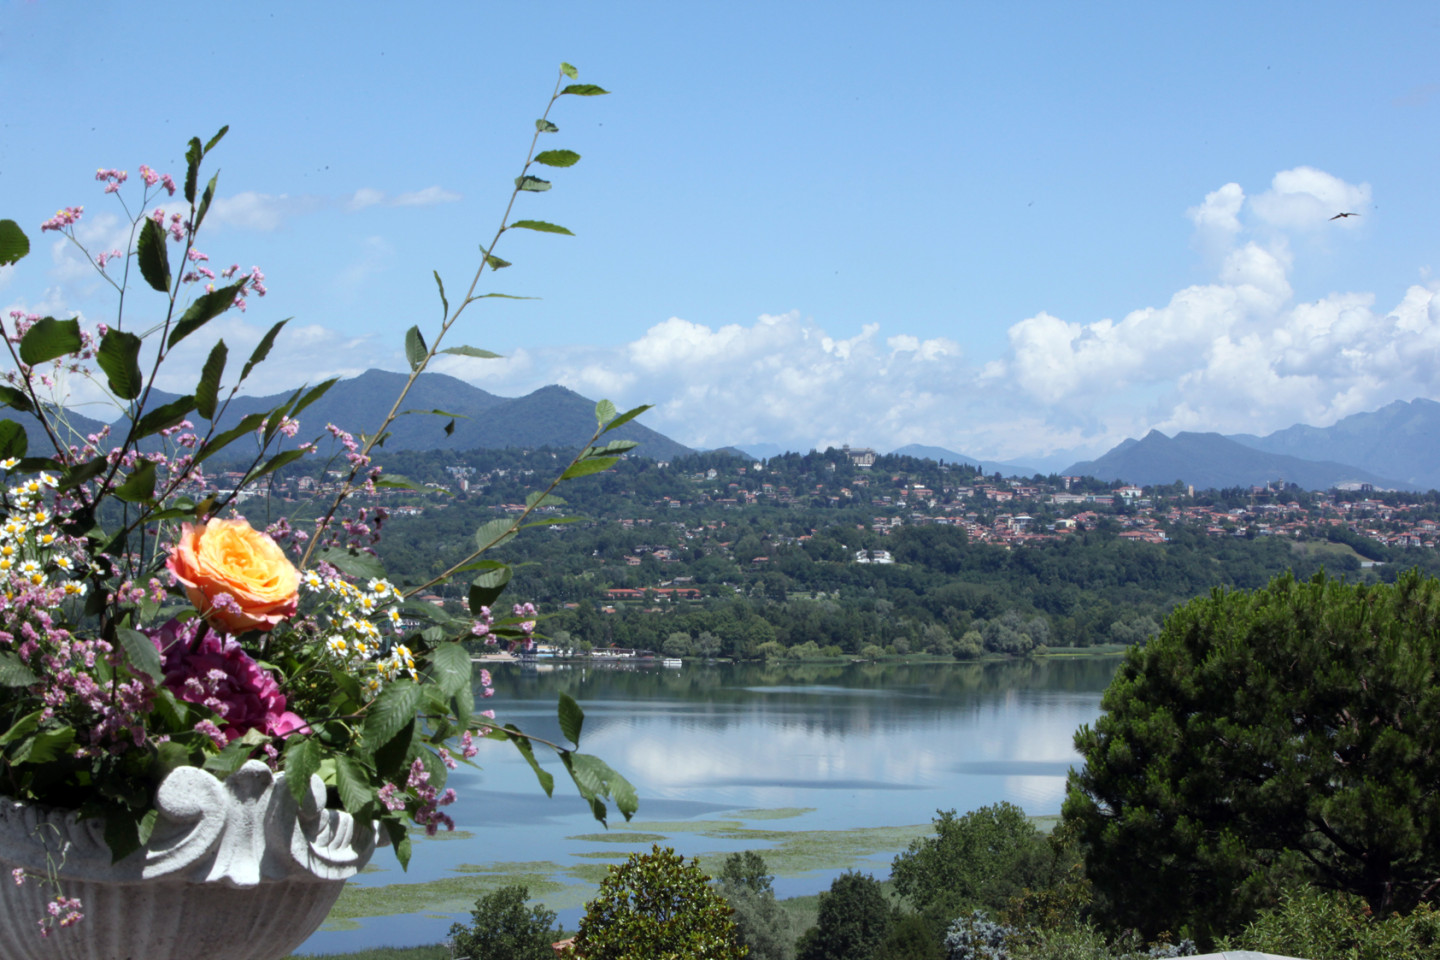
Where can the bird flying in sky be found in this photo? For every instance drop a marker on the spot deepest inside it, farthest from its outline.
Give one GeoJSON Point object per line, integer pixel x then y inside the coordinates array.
{"type": "Point", "coordinates": [1339, 215]}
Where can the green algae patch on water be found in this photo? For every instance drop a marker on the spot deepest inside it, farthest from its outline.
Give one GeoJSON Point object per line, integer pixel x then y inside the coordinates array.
{"type": "Point", "coordinates": [619, 838]}
{"type": "Point", "coordinates": [446, 895]}
{"type": "Point", "coordinates": [775, 813]}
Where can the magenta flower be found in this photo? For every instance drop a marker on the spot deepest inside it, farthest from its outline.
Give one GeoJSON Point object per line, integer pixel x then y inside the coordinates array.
{"type": "Point", "coordinates": [211, 669]}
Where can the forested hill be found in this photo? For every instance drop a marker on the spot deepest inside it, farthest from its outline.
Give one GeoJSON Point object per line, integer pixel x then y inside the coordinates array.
{"type": "Point", "coordinates": [800, 553]}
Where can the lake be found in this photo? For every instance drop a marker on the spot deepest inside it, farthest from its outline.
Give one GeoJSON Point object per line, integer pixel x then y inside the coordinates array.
{"type": "Point", "coordinates": [820, 767]}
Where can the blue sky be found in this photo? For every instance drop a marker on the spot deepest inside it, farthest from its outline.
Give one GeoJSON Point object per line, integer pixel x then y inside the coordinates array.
{"type": "Point", "coordinates": [1020, 230]}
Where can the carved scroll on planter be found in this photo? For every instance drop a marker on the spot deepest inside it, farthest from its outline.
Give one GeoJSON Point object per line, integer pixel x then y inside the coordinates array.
{"type": "Point", "coordinates": [234, 870]}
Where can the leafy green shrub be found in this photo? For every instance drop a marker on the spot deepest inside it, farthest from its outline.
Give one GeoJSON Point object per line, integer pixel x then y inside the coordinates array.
{"type": "Point", "coordinates": [655, 905]}
{"type": "Point", "coordinates": [982, 859]}
{"type": "Point", "coordinates": [503, 928]}
{"type": "Point", "coordinates": [1328, 925]}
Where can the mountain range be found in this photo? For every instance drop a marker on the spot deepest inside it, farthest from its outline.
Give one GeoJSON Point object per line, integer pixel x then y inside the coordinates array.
{"type": "Point", "coordinates": [1395, 447]}
{"type": "Point", "coordinates": [551, 416]}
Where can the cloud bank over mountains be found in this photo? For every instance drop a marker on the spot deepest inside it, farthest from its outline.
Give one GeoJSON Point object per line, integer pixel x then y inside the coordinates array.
{"type": "Point", "coordinates": [1236, 354]}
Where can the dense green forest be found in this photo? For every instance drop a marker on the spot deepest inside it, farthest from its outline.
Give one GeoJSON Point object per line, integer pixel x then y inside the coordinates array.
{"type": "Point", "coordinates": [774, 552]}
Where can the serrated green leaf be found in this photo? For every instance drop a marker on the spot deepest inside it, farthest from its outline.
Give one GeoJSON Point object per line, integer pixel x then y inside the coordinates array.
{"type": "Point", "coordinates": [626, 417]}
{"type": "Point", "coordinates": [13, 441]}
{"type": "Point", "coordinates": [415, 349]}
{"type": "Point", "coordinates": [14, 673]}
{"type": "Point", "coordinates": [613, 446]}
{"type": "Point", "coordinates": [361, 565]}
{"type": "Point", "coordinates": [274, 463]}
{"type": "Point", "coordinates": [495, 263]}
{"type": "Point", "coordinates": [263, 349]}
{"type": "Point", "coordinates": [539, 498]}
{"type": "Point", "coordinates": [444, 304]}
{"type": "Point", "coordinates": [557, 158]}
{"type": "Point", "coordinates": [569, 70]}
{"type": "Point", "coordinates": [450, 665]}
{"type": "Point", "coordinates": [475, 352]}
{"type": "Point", "coordinates": [584, 90]}
{"type": "Point", "coordinates": [234, 754]}
{"type": "Point", "coordinates": [14, 245]}
{"type": "Point", "coordinates": [153, 257]}
{"type": "Point", "coordinates": [542, 227]}
{"type": "Point", "coordinates": [205, 199]}
{"type": "Point", "coordinates": [493, 533]}
{"type": "Point", "coordinates": [248, 424]}
{"type": "Point", "coordinates": [399, 840]}
{"type": "Point", "coordinates": [315, 393]}
{"type": "Point", "coordinates": [487, 587]}
{"type": "Point", "coordinates": [572, 718]}
{"type": "Point", "coordinates": [545, 126]}
{"type": "Point", "coordinates": [205, 308]}
{"type": "Point", "coordinates": [207, 392]}
{"type": "Point", "coordinates": [49, 338]}
{"type": "Point", "coordinates": [78, 474]}
{"type": "Point", "coordinates": [352, 782]}
{"type": "Point", "coordinates": [140, 652]}
{"type": "Point", "coordinates": [302, 760]}
{"type": "Point", "coordinates": [139, 486]}
{"type": "Point", "coordinates": [604, 411]}
{"type": "Point", "coordinates": [119, 357]}
{"type": "Point", "coordinates": [532, 184]}
{"type": "Point", "coordinates": [12, 397]}
{"type": "Point", "coordinates": [547, 780]}
{"type": "Point", "coordinates": [216, 139]}
{"type": "Point", "coordinates": [193, 154]}
{"type": "Point", "coordinates": [595, 778]}
{"type": "Point", "coordinates": [586, 467]}
{"type": "Point", "coordinates": [390, 712]}
{"type": "Point", "coordinates": [164, 417]}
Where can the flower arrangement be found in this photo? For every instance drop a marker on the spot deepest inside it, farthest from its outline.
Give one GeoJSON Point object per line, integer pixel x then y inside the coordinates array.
{"type": "Point", "coordinates": [145, 625]}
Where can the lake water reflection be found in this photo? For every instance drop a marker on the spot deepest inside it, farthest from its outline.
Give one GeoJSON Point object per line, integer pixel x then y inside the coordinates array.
{"type": "Point", "coordinates": [862, 744]}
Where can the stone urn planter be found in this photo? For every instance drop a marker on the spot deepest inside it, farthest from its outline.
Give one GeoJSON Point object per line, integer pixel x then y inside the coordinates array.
{"type": "Point", "coordinates": [234, 870]}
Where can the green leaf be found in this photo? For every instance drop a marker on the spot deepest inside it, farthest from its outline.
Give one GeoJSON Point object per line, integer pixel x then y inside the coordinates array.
{"type": "Point", "coordinates": [361, 565]}
{"type": "Point", "coordinates": [390, 712]}
{"type": "Point", "coordinates": [248, 424]}
{"type": "Point", "coordinates": [572, 718]}
{"type": "Point", "coordinates": [13, 441]}
{"type": "Point", "coordinates": [541, 226]}
{"type": "Point", "coordinates": [263, 349]}
{"type": "Point", "coordinates": [538, 498]}
{"type": "Point", "coordinates": [235, 753]}
{"type": "Point", "coordinates": [505, 296]}
{"type": "Point", "coordinates": [415, 349]}
{"type": "Point", "coordinates": [545, 126]}
{"type": "Point", "coordinates": [302, 760]}
{"type": "Point", "coordinates": [626, 417]}
{"type": "Point", "coordinates": [399, 840]}
{"type": "Point", "coordinates": [193, 154]}
{"type": "Point", "coordinates": [584, 90]}
{"type": "Point", "coordinates": [614, 446]}
{"type": "Point", "coordinates": [316, 392]}
{"type": "Point", "coordinates": [547, 780]}
{"type": "Point", "coordinates": [444, 304]}
{"type": "Point", "coordinates": [352, 782]}
{"type": "Point", "coordinates": [205, 199]}
{"type": "Point", "coordinates": [604, 411]}
{"type": "Point", "coordinates": [49, 338]}
{"type": "Point", "coordinates": [207, 393]}
{"type": "Point", "coordinates": [475, 352]}
{"type": "Point", "coordinates": [13, 243]}
{"type": "Point", "coordinates": [487, 587]}
{"type": "Point", "coordinates": [205, 308]}
{"type": "Point", "coordinates": [119, 357]}
{"type": "Point", "coordinates": [13, 672]}
{"type": "Point", "coordinates": [569, 70]}
{"type": "Point", "coordinates": [532, 184]}
{"type": "Point", "coordinates": [154, 259]}
{"type": "Point", "coordinates": [595, 778]}
{"type": "Point", "coordinates": [492, 533]}
{"type": "Point", "coordinates": [557, 158]}
{"type": "Point", "coordinates": [273, 464]}
{"type": "Point", "coordinates": [23, 726]}
{"type": "Point", "coordinates": [140, 651]}
{"type": "Point", "coordinates": [15, 398]}
{"type": "Point", "coordinates": [586, 467]}
{"type": "Point", "coordinates": [495, 263]}
{"type": "Point", "coordinates": [139, 486]}
{"type": "Point", "coordinates": [216, 139]}
{"type": "Point", "coordinates": [396, 482]}
{"type": "Point", "coordinates": [78, 474]}
{"type": "Point", "coordinates": [164, 417]}
{"type": "Point", "coordinates": [45, 746]}
{"type": "Point", "coordinates": [450, 665]}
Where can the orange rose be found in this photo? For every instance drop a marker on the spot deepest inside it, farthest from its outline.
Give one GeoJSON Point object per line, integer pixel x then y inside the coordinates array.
{"type": "Point", "coordinates": [237, 577]}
